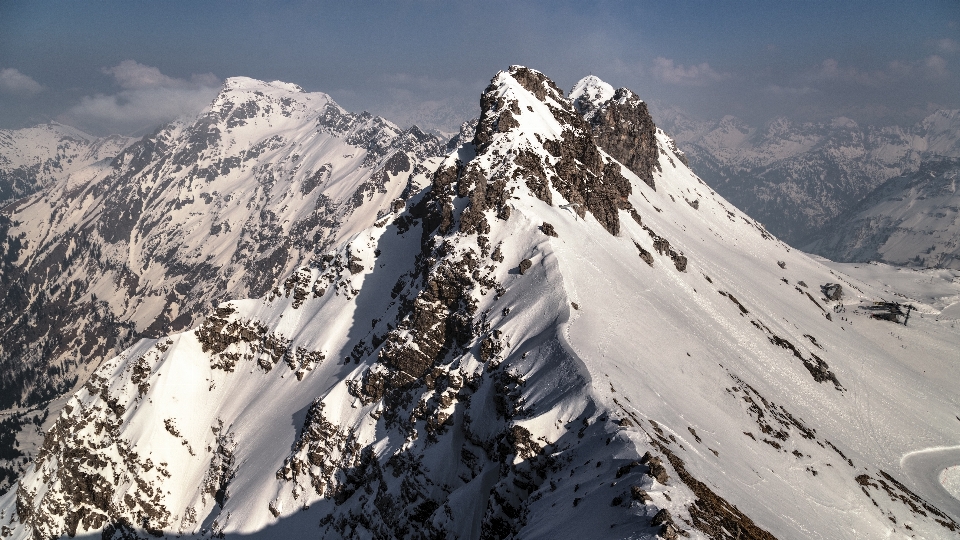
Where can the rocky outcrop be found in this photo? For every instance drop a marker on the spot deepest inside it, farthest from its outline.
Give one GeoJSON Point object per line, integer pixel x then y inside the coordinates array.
{"type": "Point", "coordinates": [624, 128]}
{"type": "Point", "coordinates": [97, 479]}
{"type": "Point", "coordinates": [576, 168]}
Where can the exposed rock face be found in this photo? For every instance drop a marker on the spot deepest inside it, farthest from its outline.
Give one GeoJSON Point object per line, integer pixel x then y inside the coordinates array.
{"type": "Point", "coordinates": [438, 321]}
{"type": "Point", "coordinates": [577, 169]}
{"type": "Point", "coordinates": [832, 291]}
{"type": "Point", "coordinates": [622, 126]}
{"type": "Point", "coordinates": [88, 462]}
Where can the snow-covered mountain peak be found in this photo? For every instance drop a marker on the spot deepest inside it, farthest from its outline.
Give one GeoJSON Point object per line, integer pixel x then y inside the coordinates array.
{"type": "Point", "coordinates": [843, 122]}
{"type": "Point", "coordinates": [942, 120]}
{"type": "Point", "coordinates": [527, 126]}
{"type": "Point", "coordinates": [37, 157]}
{"type": "Point", "coordinates": [780, 126]}
{"type": "Point", "coordinates": [589, 93]}
{"type": "Point", "coordinates": [255, 85]}
{"type": "Point", "coordinates": [29, 146]}
{"type": "Point", "coordinates": [729, 132]}
{"type": "Point", "coordinates": [218, 206]}
{"type": "Point", "coordinates": [256, 106]}
{"type": "Point", "coordinates": [941, 133]}
{"type": "Point", "coordinates": [593, 88]}
{"type": "Point", "coordinates": [519, 92]}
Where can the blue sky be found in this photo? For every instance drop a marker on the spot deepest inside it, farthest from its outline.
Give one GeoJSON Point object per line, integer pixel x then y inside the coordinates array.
{"type": "Point", "coordinates": [126, 66]}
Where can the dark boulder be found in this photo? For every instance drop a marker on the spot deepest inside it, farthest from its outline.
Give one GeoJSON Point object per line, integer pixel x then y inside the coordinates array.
{"type": "Point", "coordinates": [832, 291]}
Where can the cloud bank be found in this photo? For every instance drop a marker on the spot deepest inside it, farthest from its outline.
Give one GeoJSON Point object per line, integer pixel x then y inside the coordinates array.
{"type": "Point", "coordinates": [147, 98]}
{"type": "Point", "coordinates": [665, 70]}
{"type": "Point", "coordinates": [18, 84]}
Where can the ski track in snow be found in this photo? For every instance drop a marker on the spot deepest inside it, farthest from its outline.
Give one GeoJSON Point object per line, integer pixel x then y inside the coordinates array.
{"type": "Point", "coordinates": [924, 468]}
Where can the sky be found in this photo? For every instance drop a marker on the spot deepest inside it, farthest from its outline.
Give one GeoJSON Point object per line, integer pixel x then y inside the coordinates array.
{"type": "Point", "coordinates": [126, 67]}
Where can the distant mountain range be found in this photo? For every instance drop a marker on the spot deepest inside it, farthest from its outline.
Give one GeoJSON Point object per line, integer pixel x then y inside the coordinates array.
{"type": "Point", "coordinates": [38, 157]}
{"type": "Point", "coordinates": [909, 220]}
{"type": "Point", "coordinates": [797, 178]}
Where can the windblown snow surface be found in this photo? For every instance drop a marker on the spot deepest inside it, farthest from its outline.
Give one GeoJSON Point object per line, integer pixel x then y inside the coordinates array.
{"type": "Point", "coordinates": [497, 356]}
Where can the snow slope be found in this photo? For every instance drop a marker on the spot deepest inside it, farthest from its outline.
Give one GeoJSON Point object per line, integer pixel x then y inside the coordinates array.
{"type": "Point", "coordinates": [543, 343]}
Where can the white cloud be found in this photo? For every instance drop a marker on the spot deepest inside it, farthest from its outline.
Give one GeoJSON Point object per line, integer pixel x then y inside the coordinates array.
{"type": "Point", "coordinates": [831, 69]}
{"type": "Point", "coordinates": [134, 111]}
{"type": "Point", "coordinates": [931, 67]}
{"type": "Point", "coordinates": [935, 66]}
{"type": "Point", "coordinates": [14, 82]}
{"type": "Point", "coordinates": [667, 71]}
{"type": "Point", "coordinates": [790, 91]}
{"type": "Point", "coordinates": [147, 98]}
{"type": "Point", "coordinates": [948, 45]}
{"type": "Point", "coordinates": [133, 75]}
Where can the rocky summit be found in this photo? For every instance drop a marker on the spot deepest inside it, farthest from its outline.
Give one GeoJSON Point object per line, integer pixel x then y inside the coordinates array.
{"type": "Point", "coordinates": [556, 330]}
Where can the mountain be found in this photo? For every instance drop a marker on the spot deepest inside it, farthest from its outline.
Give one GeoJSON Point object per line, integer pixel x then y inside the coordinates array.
{"type": "Point", "coordinates": [910, 220]}
{"type": "Point", "coordinates": [37, 157]}
{"type": "Point", "coordinates": [797, 177]}
{"type": "Point", "coordinates": [542, 342]}
{"type": "Point", "coordinates": [144, 243]}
